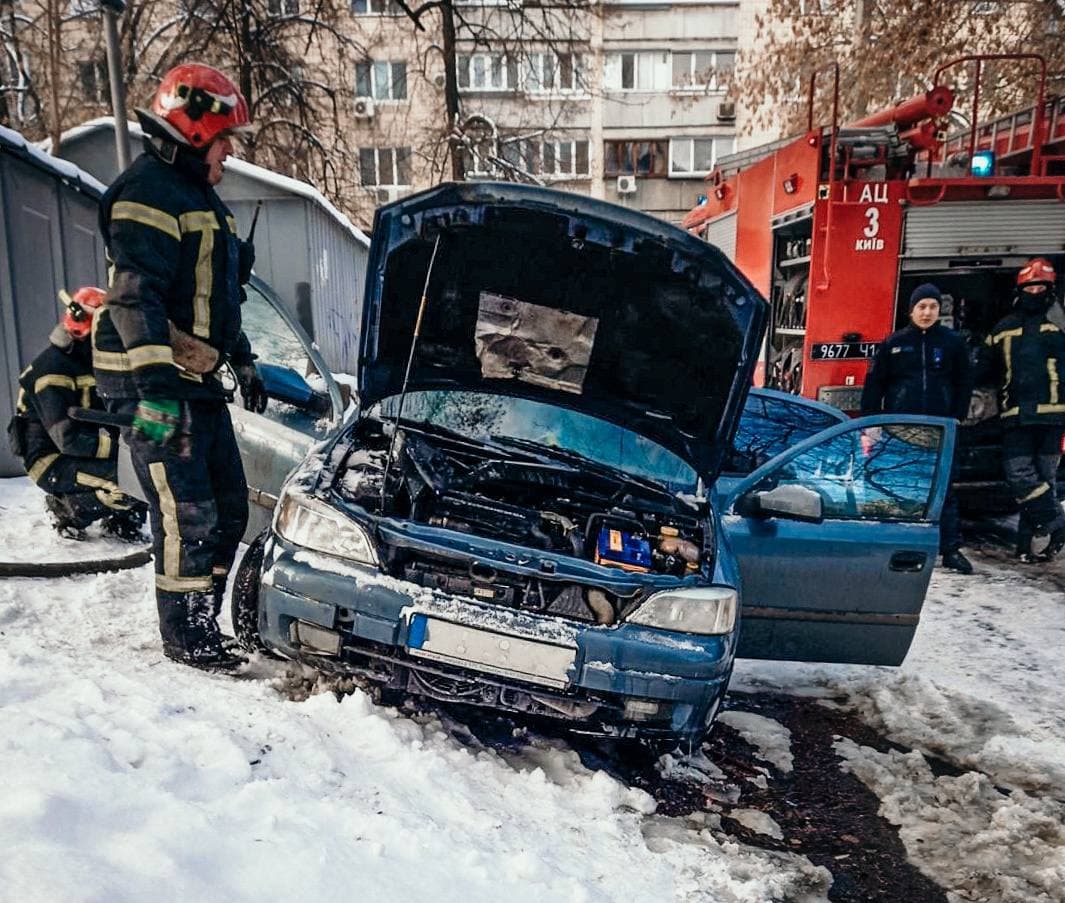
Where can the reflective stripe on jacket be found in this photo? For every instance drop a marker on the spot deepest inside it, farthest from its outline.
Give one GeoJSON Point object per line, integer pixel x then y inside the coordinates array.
{"type": "Point", "coordinates": [1024, 358]}
{"type": "Point", "coordinates": [59, 379]}
{"type": "Point", "coordinates": [175, 256]}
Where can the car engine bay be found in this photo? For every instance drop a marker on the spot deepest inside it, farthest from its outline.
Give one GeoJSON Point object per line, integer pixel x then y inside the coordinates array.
{"type": "Point", "coordinates": [523, 493]}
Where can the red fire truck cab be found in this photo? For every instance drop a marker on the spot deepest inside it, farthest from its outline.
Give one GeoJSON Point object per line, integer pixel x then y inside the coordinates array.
{"type": "Point", "coordinates": [839, 225]}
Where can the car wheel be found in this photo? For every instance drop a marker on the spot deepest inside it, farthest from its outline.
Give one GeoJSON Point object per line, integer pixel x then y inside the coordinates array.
{"type": "Point", "coordinates": [245, 600]}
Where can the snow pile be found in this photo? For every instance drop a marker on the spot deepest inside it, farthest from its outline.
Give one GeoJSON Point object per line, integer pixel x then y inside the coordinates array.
{"type": "Point", "coordinates": [147, 780]}
{"type": "Point", "coordinates": [981, 686]}
{"type": "Point", "coordinates": [982, 842]}
{"type": "Point", "coordinates": [771, 740]}
{"type": "Point", "coordinates": [758, 821]}
{"type": "Point", "coordinates": [26, 533]}
{"type": "Point", "coordinates": [980, 689]}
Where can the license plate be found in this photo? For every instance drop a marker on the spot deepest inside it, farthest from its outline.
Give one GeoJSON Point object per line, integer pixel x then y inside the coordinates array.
{"type": "Point", "coordinates": [842, 351]}
{"type": "Point", "coordinates": [486, 650]}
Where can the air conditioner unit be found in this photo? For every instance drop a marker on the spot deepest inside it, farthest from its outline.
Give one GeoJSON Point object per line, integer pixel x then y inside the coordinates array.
{"type": "Point", "coordinates": [364, 108]}
{"type": "Point", "coordinates": [390, 194]}
{"type": "Point", "coordinates": [626, 184]}
{"type": "Point", "coordinates": [726, 111]}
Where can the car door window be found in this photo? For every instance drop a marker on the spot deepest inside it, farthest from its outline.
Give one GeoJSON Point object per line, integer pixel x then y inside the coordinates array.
{"type": "Point", "coordinates": [884, 473]}
{"type": "Point", "coordinates": [771, 425]}
{"type": "Point", "coordinates": [298, 397]}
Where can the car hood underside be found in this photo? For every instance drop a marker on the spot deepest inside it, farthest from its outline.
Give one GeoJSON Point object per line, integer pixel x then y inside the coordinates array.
{"type": "Point", "coordinates": [566, 300]}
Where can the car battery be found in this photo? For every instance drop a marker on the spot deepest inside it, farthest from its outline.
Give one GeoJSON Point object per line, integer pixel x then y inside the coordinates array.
{"type": "Point", "coordinates": [623, 549]}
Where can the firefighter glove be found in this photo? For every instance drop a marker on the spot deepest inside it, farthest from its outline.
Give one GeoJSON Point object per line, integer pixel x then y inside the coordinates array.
{"type": "Point", "coordinates": [252, 388]}
{"type": "Point", "coordinates": [157, 420]}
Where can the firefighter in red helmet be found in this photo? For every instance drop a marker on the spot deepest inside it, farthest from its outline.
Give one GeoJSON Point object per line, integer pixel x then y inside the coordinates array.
{"type": "Point", "coordinates": [1024, 357]}
{"type": "Point", "coordinates": [178, 268]}
{"type": "Point", "coordinates": [73, 461]}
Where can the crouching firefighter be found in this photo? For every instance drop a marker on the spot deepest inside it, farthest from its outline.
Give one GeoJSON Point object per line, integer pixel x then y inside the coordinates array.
{"type": "Point", "coordinates": [1024, 357]}
{"type": "Point", "coordinates": [178, 268]}
{"type": "Point", "coordinates": [73, 461]}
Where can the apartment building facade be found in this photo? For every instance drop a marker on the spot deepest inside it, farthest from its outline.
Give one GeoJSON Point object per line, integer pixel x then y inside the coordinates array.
{"type": "Point", "coordinates": [626, 100]}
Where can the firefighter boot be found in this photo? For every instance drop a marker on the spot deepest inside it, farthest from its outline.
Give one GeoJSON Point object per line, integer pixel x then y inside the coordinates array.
{"type": "Point", "coordinates": [190, 632]}
{"type": "Point", "coordinates": [954, 560]}
{"type": "Point", "coordinates": [128, 524]}
{"type": "Point", "coordinates": [1057, 537]}
{"type": "Point", "coordinates": [218, 598]}
{"type": "Point", "coordinates": [1025, 535]}
{"type": "Point", "coordinates": [218, 592]}
{"type": "Point", "coordinates": [67, 518]}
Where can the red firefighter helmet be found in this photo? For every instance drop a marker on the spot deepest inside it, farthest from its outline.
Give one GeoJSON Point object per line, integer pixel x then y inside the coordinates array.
{"type": "Point", "coordinates": [195, 103]}
{"type": "Point", "coordinates": [1037, 271]}
{"type": "Point", "coordinates": [80, 308]}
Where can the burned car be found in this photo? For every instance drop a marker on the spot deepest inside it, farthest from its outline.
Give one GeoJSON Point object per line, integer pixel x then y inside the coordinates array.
{"type": "Point", "coordinates": [541, 506]}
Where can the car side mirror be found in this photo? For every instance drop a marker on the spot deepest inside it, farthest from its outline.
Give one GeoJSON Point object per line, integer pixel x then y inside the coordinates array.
{"type": "Point", "coordinates": [790, 502]}
{"type": "Point", "coordinates": [285, 384]}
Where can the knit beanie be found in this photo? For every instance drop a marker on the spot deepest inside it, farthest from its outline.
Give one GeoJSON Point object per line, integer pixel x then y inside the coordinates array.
{"type": "Point", "coordinates": [925, 290]}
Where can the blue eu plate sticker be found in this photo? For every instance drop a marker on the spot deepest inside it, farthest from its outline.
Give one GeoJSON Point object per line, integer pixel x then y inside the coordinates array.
{"type": "Point", "coordinates": [416, 632]}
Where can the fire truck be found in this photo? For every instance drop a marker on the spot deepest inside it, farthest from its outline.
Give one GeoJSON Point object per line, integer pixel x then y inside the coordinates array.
{"type": "Point", "coordinates": [838, 226]}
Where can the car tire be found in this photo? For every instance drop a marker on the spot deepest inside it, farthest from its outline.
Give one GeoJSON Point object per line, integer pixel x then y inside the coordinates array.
{"type": "Point", "coordinates": [244, 604]}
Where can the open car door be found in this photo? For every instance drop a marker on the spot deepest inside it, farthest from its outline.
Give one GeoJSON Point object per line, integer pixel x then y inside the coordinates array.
{"type": "Point", "coordinates": [836, 539]}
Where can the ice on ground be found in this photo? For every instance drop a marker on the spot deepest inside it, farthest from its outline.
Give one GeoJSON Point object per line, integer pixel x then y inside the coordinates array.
{"type": "Point", "coordinates": [696, 767]}
{"type": "Point", "coordinates": [771, 740]}
{"type": "Point", "coordinates": [757, 821]}
{"type": "Point", "coordinates": [974, 838]}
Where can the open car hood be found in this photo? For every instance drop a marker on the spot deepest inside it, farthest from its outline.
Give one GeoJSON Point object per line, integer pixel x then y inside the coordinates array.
{"type": "Point", "coordinates": [566, 300]}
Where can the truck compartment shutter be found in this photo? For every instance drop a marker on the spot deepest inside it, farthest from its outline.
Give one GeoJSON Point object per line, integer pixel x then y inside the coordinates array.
{"type": "Point", "coordinates": [1021, 228]}
{"type": "Point", "coordinates": [722, 232]}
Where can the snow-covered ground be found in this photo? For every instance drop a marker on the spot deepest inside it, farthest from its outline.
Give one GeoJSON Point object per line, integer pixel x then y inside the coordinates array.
{"type": "Point", "coordinates": [127, 777]}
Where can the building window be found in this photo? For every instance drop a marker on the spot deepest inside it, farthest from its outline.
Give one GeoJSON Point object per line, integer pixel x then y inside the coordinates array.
{"type": "Point", "coordinates": [381, 81]}
{"type": "Point", "coordinates": [703, 68]}
{"type": "Point", "coordinates": [644, 70]}
{"type": "Point", "coordinates": [551, 158]}
{"type": "Point", "coordinates": [385, 166]}
{"type": "Point", "coordinates": [641, 158]}
{"type": "Point", "coordinates": [696, 156]}
{"type": "Point", "coordinates": [94, 82]}
{"type": "Point", "coordinates": [553, 73]}
{"type": "Point", "coordinates": [282, 7]}
{"type": "Point", "coordinates": [487, 72]}
{"type": "Point", "coordinates": [376, 8]}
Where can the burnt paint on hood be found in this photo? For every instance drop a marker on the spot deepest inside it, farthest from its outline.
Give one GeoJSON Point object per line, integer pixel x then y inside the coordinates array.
{"type": "Point", "coordinates": [566, 300]}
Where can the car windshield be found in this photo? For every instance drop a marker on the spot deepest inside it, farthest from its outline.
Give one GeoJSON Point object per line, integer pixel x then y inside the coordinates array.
{"type": "Point", "coordinates": [493, 418]}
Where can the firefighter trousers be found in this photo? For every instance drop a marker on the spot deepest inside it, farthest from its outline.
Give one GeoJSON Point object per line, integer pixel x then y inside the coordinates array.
{"type": "Point", "coordinates": [197, 498]}
{"type": "Point", "coordinates": [1031, 455]}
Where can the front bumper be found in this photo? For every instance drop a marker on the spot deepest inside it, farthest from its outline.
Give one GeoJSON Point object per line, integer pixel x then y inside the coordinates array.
{"type": "Point", "coordinates": [622, 680]}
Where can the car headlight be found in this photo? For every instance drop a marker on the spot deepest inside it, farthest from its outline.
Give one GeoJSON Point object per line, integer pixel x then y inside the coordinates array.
{"type": "Point", "coordinates": [704, 609]}
{"type": "Point", "coordinates": [307, 522]}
